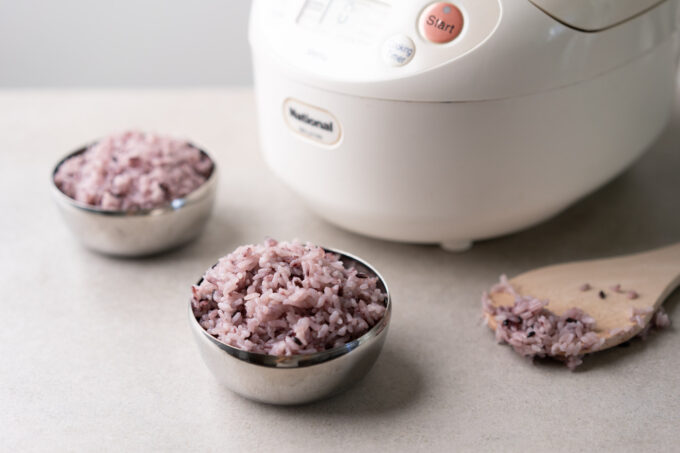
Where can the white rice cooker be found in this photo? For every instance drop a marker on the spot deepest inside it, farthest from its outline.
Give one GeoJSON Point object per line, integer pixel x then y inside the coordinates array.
{"type": "Point", "coordinates": [453, 121]}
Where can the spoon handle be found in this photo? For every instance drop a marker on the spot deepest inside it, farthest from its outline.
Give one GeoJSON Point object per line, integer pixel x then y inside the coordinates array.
{"type": "Point", "coordinates": [668, 255]}
{"type": "Point", "coordinates": [666, 262]}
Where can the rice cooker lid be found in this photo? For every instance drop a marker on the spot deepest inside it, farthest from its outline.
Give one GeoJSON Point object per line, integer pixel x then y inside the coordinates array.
{"type": "Point", "coordinates": [594, 15]}
{"type": "Point", "coordinates": [460, 50]}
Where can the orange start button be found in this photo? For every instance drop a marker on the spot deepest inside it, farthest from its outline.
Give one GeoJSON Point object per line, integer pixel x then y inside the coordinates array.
{"type": "Point", "coordinates": [441, 22]}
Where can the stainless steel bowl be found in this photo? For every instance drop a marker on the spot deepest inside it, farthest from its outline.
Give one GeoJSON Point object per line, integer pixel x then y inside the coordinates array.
{"type": "Point", "coordinates": [296, 379]}
{"type": "Point", "coordinates": [141, 232]}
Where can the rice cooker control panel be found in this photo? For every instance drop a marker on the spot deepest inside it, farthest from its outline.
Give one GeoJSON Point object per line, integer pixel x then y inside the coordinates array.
{"type": "Point", "coordinates": [367, 40]}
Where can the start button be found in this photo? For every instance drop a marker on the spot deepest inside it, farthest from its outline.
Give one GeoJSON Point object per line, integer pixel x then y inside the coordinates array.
{"type": "Point", "coordinates": [441, 22]}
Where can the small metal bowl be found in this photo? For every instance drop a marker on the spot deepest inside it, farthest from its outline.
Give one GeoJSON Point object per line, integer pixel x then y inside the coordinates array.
{"type": "Point", "coordinates": [138, 233]}
{"type": "Point", "coordinates": [296, 379]}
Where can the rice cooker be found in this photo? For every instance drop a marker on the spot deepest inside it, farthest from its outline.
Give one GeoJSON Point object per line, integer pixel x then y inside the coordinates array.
{"type": "Point", "coordinates": [448, 122]}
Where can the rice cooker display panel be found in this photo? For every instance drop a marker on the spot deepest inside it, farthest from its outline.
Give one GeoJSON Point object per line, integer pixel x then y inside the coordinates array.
{"type": "Point", "coordinates": [353, 21]}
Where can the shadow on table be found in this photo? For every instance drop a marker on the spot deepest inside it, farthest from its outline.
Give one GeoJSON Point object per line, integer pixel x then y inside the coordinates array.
{"type": "Point", "coordinates": [394, 384]}
{"type": "Point", "coordinates": [220, 237]}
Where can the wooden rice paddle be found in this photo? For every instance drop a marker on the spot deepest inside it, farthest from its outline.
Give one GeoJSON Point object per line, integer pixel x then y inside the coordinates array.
{"type": "Point", "coordinates": [651, 276]}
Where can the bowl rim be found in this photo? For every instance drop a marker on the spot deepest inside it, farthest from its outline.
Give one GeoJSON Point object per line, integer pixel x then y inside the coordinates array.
{"type": "Point", "coordinates": [314, 358]}
{"type": "Point", "coordinates": [173, 205]}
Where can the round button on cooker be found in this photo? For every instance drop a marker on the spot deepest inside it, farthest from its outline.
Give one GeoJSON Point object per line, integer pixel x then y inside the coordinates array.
{"type": "Point", "coordinates": [440, 22]}
{"type": "Point", "coordinates": [398, 50]}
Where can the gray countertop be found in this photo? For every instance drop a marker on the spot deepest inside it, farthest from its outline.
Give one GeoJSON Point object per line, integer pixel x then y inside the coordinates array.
{"type": "Point", "coordinates": [96, 354]}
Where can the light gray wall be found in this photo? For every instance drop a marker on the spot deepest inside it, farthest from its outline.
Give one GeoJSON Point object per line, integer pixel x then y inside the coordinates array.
{"type": "Point", "coordinates": [66, 43]}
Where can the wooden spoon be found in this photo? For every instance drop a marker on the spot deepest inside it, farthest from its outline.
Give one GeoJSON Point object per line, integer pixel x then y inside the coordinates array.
{"type": "Point", "coordinates": [652, 276]}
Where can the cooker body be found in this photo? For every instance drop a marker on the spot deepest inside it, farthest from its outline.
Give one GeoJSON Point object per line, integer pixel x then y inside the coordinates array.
{"type": "Point", "coordinates": [454, 172]}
